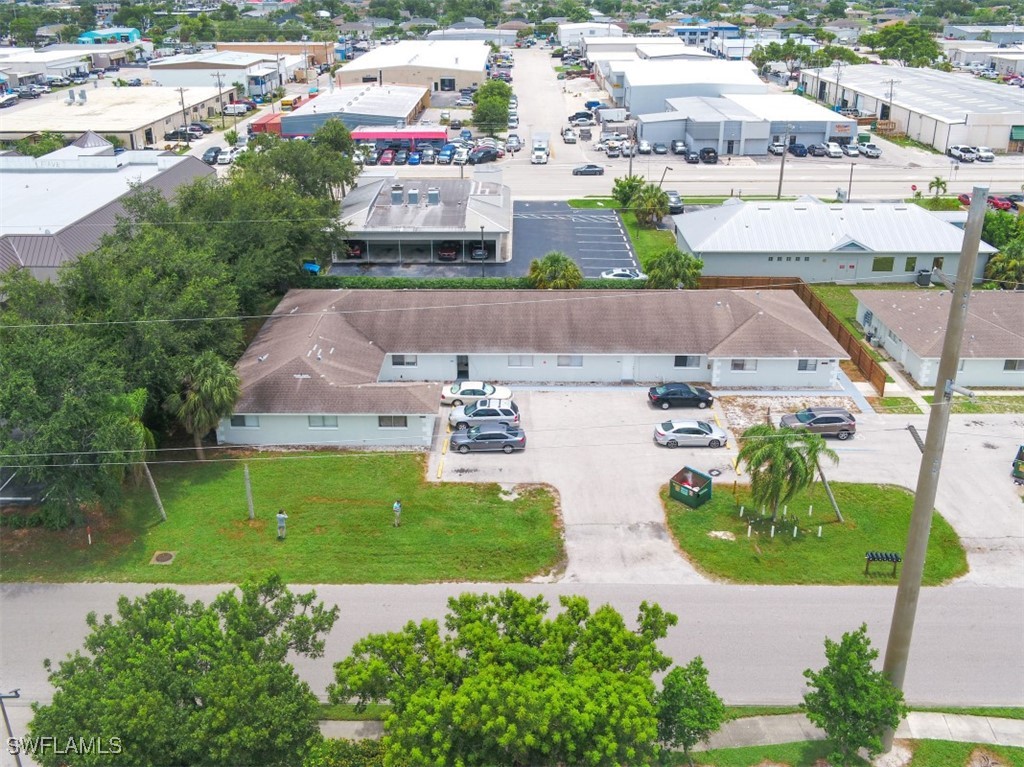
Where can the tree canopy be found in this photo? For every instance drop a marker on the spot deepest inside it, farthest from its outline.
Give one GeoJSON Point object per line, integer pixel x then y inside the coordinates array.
{"type": "Point", "coordinates": [556, 271]}
{"type": "Point", "coordinates": [189, 683]}
{"type": "Point", "coordinates": [505, 684]}
{"type": "Point", "coordinates": [674, 269]}
{"type": "Point", "coordinates": [689, 711]}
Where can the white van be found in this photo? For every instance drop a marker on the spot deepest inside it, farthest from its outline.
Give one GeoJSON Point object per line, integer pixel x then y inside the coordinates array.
{"type": "Point", "coordinates": [238, 109]}
{"type": "Point", "coordinates": [832, 149]}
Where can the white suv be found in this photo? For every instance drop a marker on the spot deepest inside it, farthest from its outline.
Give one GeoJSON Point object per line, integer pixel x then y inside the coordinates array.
{"type": "Point", "coordinates": [962, 153]}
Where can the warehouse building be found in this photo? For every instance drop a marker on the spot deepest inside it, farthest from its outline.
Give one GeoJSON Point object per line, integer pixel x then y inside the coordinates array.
{"type": "Point", "coordinates": [139, 117]}
{"type": "Point", "coordinates": [259, 73]}
{"type": "Point", "coordinates": [572, 35]}
{"type": "Point", "coordinates": [501, 37]}
{"type": "Point", "coordinates": [437, 65]}
{"type": "Point", "coordinates": [936, 108]}
{"type": "Point", "coordinates": [642, 87]}
{"type": "Point", "coordinates": [357, 105]}
{"type": "Point", "coordinates": [313, 52]}
{"type": "Point", "coordinates": [56, 208]}
{"type": "Point", "coordinates": [995, 34]}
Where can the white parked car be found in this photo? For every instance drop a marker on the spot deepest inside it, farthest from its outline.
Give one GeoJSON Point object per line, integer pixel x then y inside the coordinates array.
{"type": "Point", "coordinates": [689, 434]}
{"type": "Point", "coordinates": [870, 150]}
{"type": "Point", "coordinates": [623, 274]}
{"type": "Point", "coordinates": [851, 150]}
{"type": "Point", "coordinates": [465, 103]}
{"type": "Point", "coordinates": [461, 392]}
{"type": "Point", "coordinates": [962, 153]}
{"type": "Point", "coordinates": [832, 149]}
{"type": "Point", "coordinates": [228, 156]}
{"type": "Point", "coordinates": [983, 154]}
{"type": "Point", "coordinates": [778, 148]}
{"type": "Point", "coordinates": [644, 147]}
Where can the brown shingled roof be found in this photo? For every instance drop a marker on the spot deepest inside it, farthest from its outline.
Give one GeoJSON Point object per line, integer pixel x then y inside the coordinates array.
{"type": "Point", "coordinates": [994, 328]}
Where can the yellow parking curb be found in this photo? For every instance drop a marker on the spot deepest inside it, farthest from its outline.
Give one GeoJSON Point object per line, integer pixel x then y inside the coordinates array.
{"type": "Point", "coordinates": [440, 468]}
{"type": "Point", "coordinates": [444, 446]}
{"type": "Point", "coordinates": [736, 465]}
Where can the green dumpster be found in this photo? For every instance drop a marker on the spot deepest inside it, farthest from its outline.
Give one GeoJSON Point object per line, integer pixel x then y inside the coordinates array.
{"type": "Point", "coordinates": [1018, 464]}
{"type": "Point", "coordinates": [691, 487]}
{"type": "Point", "coordinates": [863, 138]}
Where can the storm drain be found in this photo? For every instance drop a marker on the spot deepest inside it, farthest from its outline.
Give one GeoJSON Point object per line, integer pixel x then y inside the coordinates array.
{"type": "Point", "coordinates": [163, 558]}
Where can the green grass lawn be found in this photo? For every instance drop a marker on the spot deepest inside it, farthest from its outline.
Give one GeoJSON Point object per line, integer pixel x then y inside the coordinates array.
{"type": "Point", "coordinates": [590, 203]}
{"type": "Point", "coordinates": [339, 527]}
{"type": "Point", "coordinates": [927, 753]}
{"type": "Point", "coordinates": [647, 242]}
{"type": "Point", "coordinates": [895, 405]}
{"type": "Point", "coordinates": [937, 203]}
{"type": "Point", "coordinates": [877, 519]}
{"type": "Point", "coordinates": [985, 404]}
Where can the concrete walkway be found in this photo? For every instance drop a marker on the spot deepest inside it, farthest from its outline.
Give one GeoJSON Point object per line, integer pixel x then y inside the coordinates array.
{"type": "Point", "coordinates": [793, 728]}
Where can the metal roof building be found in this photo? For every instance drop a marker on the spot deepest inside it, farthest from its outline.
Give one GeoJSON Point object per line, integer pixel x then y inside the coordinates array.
{"type": "Point", "coordinates": [355, 105]}
{"type": "Point", "coordinates": [823, 242]}
{"type": "Point", "coordinates": [936, 108]}
{"type": "Point", "coordinates": [643, 86]}
{"type": "Point", "coordinates": [55, 208]}
{"type": "Point", "coordinates": [438, 65]}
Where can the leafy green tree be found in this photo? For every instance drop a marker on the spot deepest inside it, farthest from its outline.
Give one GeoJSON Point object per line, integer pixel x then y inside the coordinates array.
{"type": "Point", "coordinates": [1007, 266]}
{"type": "Point", "coordinates": [689, 711]}
{"type": "Point", "coordinates": [909, 45]}
{"type": "Point", "coordinates": [345, 753]}
{"type": "Point", "coordinates": [834, 9]}
{"type": "Point", "coordinates": [849, 700]}
{"type": "Point", "coordinates": [764, 21]}
{"type": "Point", "coordinates": [47, 142]}
{"type": "Point", "coordinates": [937, 185]}
{"type": "Point", "coordinates": [1002, 227]}
{"type": "Point", "coordinates": [493, 89]}
{"type": "Point", "coordinates": [183, 683]}
{"type": "Point", "coordinates": [673, 269]}
{"type": "Point", "coordinates": [505, 684]}
{"type": "Point", "coordinates": [789, 52]}
{"type": "Point", "coordinates": [209, 390]}
{"type": "Point", "coordinates": [649, 205]}
{"type": "Point", "coordinates": [781, 462]}
{"type": "Point", "coordinates": [491, 115]}
{"type": "Point", "coordinates": [625, 189]}
{"type": "Point", "coordinates": [556, 271]}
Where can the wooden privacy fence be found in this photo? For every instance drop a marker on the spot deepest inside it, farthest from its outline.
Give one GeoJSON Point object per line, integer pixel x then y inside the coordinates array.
{"type": "Point", "coordinates": [859, 353]}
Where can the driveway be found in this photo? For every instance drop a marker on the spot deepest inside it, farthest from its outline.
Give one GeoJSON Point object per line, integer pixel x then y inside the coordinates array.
{"type": "Point", "coordinates": [594, 446]}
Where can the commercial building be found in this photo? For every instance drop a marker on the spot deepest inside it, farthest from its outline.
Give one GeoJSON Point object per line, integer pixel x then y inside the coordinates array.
{"type": "Point", "coordinates": [25, 65]}
{"type": "Point", "coordinates": [700, 34]}
{"type": "Point", "coordinates": [360, 367]}
{"type": "Point", "coordinates": [911, 326]}
{"type": "Point", "coordinates": [110, 35]}
{"type": "Point", "coordinates": [819, 242]}
{"type": "Point", "coordinates": [996, 34]}
{"type": "Point", "coordinates": [259, 73]}
{"type": "Point", "coordinates": [936, 108]}
{"type": "Point", "coordinates": [502, 37]}
{"type": "Point", "coordinates": [437, 65]}
{"type": "Point", "coordinates": [642, 87]}
{"type": "Point", "coordinates": [572, 35]}
{"type": "Point", "coordinates": [415, 221]}
{"type": "Point", "coordinates": [314, 53]}
{"type": "Point", "coordinates": [357, 105]}
{"type": "Point", "coordinates": [139, 117]}
{"type": "Point", "coordinates": [55, 208]}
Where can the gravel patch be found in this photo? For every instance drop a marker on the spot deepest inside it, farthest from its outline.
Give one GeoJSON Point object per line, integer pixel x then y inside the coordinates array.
{"type": "Point", "coordinates": [743, 412]}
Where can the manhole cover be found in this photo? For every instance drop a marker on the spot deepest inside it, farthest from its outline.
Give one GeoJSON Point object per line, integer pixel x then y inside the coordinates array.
{"type": "Point", "coordinates": [163, 558]}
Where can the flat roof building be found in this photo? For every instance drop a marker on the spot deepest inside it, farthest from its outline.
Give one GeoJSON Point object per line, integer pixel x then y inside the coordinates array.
{"type": "Point", "coordinates": [55, 208]}
{"type": "Point", "coordinates": [572, 35]}
{"type": "Point", "coordinates": [260, 73]}
{"type": "Point", "coordinates": [139, 117]}
{"type": "Point", "coordinates": [314, 52]}
{"type": "Point", "coordinates": [496, 36]}
{"type": "Point", "coordinates": [645, 85]}
{"type": "Point", "coordinates": [936, 108]}
{"type": "Point", "coordinates": [437, 65]}
{"type": "Point", "coordinates": [355, 105]}
{"type": "Point", "coordinates": [996, 33]}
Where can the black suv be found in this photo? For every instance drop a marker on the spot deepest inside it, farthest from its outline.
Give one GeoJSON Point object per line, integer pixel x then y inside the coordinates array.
{"type": "Point", "coordinates": [675, 202]}
{"type": "Point", "coordinates": [709, 155]}
{"type": "Point", "coordinates": [483, 154]}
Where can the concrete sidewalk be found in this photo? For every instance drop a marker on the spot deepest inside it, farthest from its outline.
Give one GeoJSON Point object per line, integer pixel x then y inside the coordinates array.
{"type": "Point", "coordinates": [792, 728]}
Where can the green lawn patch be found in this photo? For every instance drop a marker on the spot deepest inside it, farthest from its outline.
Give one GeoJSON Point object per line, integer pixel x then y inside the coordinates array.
{"type": "Point", "coordinates": [999, 712]}
{"type": "Point", "coordinates": [937, 203]}
{"type": "Point", "coordinates": [647, 243]}
{"type": "Point", "coordinates": [339, 527]}
{"type": "Point", "coordinates": [984, 404]}
{"type": "Point", "coordinates": [346, 712]}
{"type": "Point", "coordinates": [929, 753]}
{"type": "Point", "coordinates": [802, 754]}
{"type": "Point", "coordinates": [744, 712]}
{"type": "Point", "coordinates": [589, 203]}
{"type": "Point", "coordinates": [906, 141]}
{"type": "Point", "coordinates": [895, 405]}
{"type": "Point", "coordinates": [877, 519]}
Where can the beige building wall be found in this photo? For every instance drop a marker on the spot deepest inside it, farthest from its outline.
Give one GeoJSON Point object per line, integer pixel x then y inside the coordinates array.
{"type": "Point", "coordinates": [316, 52]}
{"type": "Point", "coordinates": [431, 78]}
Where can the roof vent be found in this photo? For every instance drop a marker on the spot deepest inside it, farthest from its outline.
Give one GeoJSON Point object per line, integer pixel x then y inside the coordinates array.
{"type": "Point", "coordinates": [414, 196]}
{"type": "Point", "coordinates": [433, 196]}
{"type": "Point", "coordinates": [396, 194]}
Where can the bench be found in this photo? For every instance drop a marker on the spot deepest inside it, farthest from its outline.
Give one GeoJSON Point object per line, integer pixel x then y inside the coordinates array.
{"type": "Point", "coordinates": [881, 556]}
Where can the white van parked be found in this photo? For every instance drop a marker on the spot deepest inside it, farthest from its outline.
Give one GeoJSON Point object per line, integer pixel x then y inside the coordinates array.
{"type": "Point", "coordinates": [236, 109]}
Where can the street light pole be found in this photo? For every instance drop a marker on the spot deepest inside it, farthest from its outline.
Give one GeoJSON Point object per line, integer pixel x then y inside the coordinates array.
{"type": "Point", "coordinates": [660, 182]}
{"type": "Point", "coordinates": [483, 261]}
{"type": "Point", "coordinates": [897, 651]}
{"type": "Point", "coordinates": [7, 722]}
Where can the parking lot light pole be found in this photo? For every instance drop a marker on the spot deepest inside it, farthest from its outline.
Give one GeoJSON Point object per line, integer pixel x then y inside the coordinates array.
{"type": "Point", "coordinates": [16, 693]}
{"type": "Point", "coordinates": [667, 169]}
{"type": "Point", "coordinates": [483, 261]}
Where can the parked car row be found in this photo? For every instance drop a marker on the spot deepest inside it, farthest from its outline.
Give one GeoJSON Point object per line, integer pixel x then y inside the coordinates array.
{"type": "Point", "coordinates": [965, 153]}
{"type": "Point", "coordinates": [484, 416]}
{"type": "Point", "coordinates": [828, 149]}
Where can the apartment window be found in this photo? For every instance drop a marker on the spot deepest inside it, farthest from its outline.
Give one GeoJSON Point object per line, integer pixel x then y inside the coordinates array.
{"type": "Point", "coordinates": [893, 336]}
{"type": "Point", "coordinates": [403, 360]}
{"type": "Point", "coordinates": [323, 422]}
{"type": "Point", "coordinates": [789, 258]}
{"type": "Point", "coordinates": [249, 421]}
{"type": "Point", "coordinates": [1013, 365]}
{"type": "Point", "coordinates": [771, 258]}
{"type": "Point", "coordinates": [911, 264]}
{"type": "Point", "coordinates": [744, 366]}
{"type": "Point", "coordinates": [570, 361]}
{"type": "Point", "coordinates": [807, 365]}
{"type": "Point", "coordinates": [520, 360]}
{"type": "Point", "coordinates": [686, 361]}
{"type": "Point", "coordinates": [392, 421]}
{"type": "Point", "coordinates": [883, 264]}
{"type": "Point", "coordinates": [807, 258]}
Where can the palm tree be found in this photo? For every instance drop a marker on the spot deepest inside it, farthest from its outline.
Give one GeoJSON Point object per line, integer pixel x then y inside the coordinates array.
{"type": "Point", "coordinates": [937, 185]}
{"type": "Point", "coordinates": [649, 205]}
{"type": "Point", "coordinates": [209, 391]}
{"type": "Point", "coordinates": [134, 405]}
{"type": "Point", "coordinates": [556, 271]}
{"type": "Point", "coordinates": [1007, 266]}
{"type": "Point", "coordinates": [781, 462]}
{"type": "Point", "coordinates": [673, 269]}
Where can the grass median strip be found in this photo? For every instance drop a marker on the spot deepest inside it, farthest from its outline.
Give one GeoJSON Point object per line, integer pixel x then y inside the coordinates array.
{"type": "Point", "coordinates": [714, 537]}
{"type": "Point", "coordinates": [339, 527]}
{"type": "Point", "coordinates": [926, 753]}
{"type": "Point", "coordinates": [995, 403]}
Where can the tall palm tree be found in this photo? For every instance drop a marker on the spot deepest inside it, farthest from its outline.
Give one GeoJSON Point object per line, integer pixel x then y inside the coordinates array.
{"type": "Point", "coordinates": [781, 462]}
{"type": "Point", "coordinates": [1007, 266]}
{"type": "Point", "coordinates": [937, 185]}
{"type": "Point", "coordinates": [208, 392]}
{"type": "Point", "coordinates": [673, 269]}
{"type": "Point", "coordinates": [556, 271]}
{"type": "Point", "coordinates": [650, 205]}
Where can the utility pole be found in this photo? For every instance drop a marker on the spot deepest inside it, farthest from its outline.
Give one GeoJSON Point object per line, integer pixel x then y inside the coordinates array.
{"type": "Point", "coordinates": [849, 186]}
{"type": "Point", "coordinates": [782, 165]}
{"type": "Point", "coordinates": [7, 722]}
{"type": "Point", "coordinates": [220, 96]}
{"type": "Point", "coordinates": [184, 117]}
{"type": "Point", "coordinates": [839, 73]}
{"type": "Point", "coordinates": [892, 86]}
{"type": "Point", "coordinates": [901, 629]}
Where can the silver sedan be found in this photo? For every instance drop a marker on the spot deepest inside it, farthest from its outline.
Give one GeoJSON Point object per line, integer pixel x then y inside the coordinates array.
{"type": "Point", "coordinates": [689, 434]}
